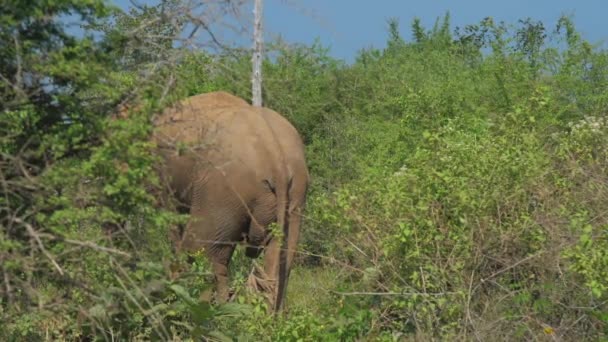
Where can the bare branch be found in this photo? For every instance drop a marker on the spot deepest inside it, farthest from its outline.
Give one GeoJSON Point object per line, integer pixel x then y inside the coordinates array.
{"type": "Point", "coordinates": [34, 235]}
{"type": "Point", "coordinates": [7, 284]}
{"type": "Point", "coordinates": [87, 244]}
{"type": "Point", "coordinates": [150, 312]}
{"type": "Point", "coordinates": [483, 280]}
{"type": "Point", "coordinates": [19, 61]}
{"type": "Point", "coordinates": [400, 294]}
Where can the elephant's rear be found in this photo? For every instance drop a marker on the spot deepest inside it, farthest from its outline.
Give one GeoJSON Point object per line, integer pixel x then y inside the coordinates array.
{"type": "Point", "coordinates": [296, 187]}
{"type": "Point", "coordinates": [240, 152]}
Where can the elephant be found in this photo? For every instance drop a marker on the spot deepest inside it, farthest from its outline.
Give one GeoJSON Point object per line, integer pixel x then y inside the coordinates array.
{"type": "Point", "coordinates": [237, 169]}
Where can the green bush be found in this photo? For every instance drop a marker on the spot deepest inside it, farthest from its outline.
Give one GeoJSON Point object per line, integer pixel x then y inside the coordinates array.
{"type": "Point", "coordinates": [462, 183]}
{"type": "Point", "coordinates": [459, 184]}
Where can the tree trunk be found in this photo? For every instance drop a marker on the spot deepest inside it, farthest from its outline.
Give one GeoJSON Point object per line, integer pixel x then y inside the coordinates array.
{"type": "Point", "coordinates": [258, 45]}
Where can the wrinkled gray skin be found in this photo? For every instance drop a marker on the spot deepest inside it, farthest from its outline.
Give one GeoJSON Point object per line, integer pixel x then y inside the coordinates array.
{"type": "Point", "coordinates": [237, 169]}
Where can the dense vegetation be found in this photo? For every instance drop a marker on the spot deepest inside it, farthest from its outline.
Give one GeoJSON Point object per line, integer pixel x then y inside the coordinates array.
{"type": "Point", "coordinates": [459, 184]}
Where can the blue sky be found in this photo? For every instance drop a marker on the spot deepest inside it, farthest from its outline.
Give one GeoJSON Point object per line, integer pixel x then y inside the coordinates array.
{"type": "Point", "coordinates": [349, 25]}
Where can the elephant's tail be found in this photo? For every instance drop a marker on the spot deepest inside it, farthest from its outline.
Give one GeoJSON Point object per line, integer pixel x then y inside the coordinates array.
{"type": "Point", "coordinates": [283, 223]}
{"type": "Point", "coordinates": [283, 183]}
{"type": "Point", "coordinates": [282, 194]}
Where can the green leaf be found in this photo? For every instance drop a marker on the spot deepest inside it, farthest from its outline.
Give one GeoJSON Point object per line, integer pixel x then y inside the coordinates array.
{"type": "Point", "coordinates": [183, 294]}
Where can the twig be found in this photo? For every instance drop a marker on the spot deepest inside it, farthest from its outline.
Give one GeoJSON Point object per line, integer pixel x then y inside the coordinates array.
{"type": "Point", "coordinates": [158, 319]}
{"type": "Point", "coordinates": [7, 285]}
{"type": "Point", "coordinates": [18, 60]}
{"type": "Point", "coordinates": [468, 307]}
{"type": "Point", "coordinates": [87, 244]}
{"type": "Point", "coordinates": [91, 245]}
{"type": "Point", "coordinates": [134, 301]}
{"type": "Point", "coordinates": [357, 248]}
{"type": "Point", "coordinates": [34, 235]}
{"type": "Point", "coordinates": [483, 280]}
{"type": "Point", "coordinates": [402, 294]}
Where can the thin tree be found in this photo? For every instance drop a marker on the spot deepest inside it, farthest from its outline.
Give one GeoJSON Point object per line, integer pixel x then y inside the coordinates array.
{"type": "Point", "coordinates": [258, 45]}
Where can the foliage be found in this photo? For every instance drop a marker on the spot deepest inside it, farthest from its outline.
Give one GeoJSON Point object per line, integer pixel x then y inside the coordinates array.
{"type": "Point", "coordinates": [83, 244]}
{"type": "Point", "coordinates": [467, 177]}
{"type": "Point", "coordinates": [459, 183]}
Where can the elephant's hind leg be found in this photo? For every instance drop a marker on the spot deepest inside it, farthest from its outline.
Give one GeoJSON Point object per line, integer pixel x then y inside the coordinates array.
{"type": "Point", "coordinates": [205, 233]}
{"type": "Point", "coordinates": [216, 226]}
{"type": "Point", "coordinates": [220, 270]}
{"type": "Point", "coordinates": [264, 213]}
{"type": "Point", "coordinates": [218, 220]}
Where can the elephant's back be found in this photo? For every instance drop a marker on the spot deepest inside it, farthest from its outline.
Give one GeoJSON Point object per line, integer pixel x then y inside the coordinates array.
{"type": "Point", "coordinates": [221, 129]}
{"type": "Point", "coordinates": [228, 133]}
{"type": "Point", "coordinates": [195, 118]}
